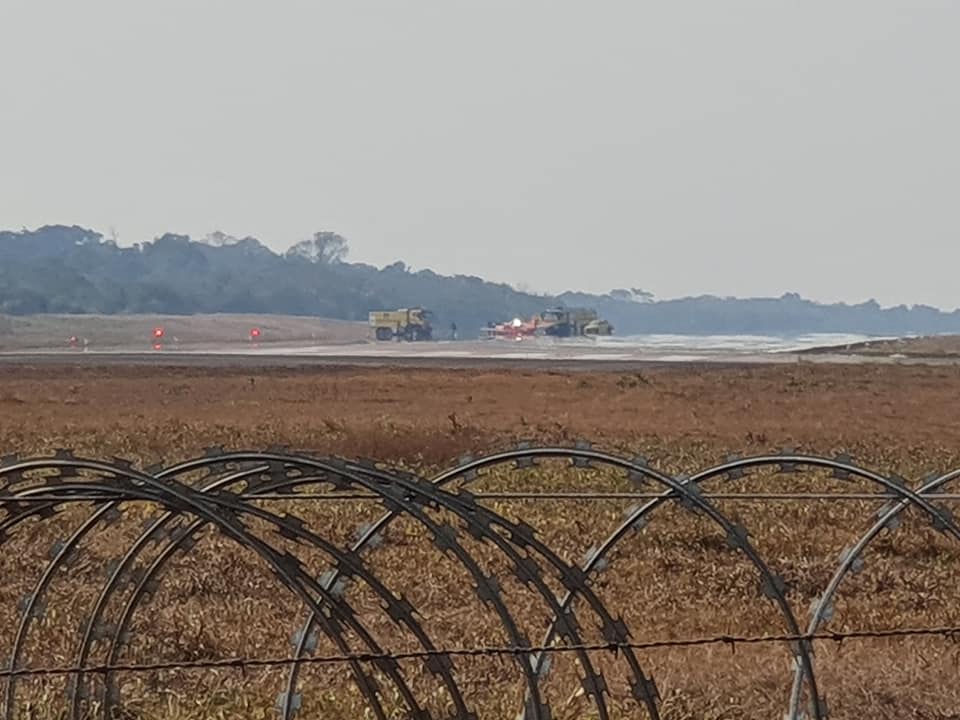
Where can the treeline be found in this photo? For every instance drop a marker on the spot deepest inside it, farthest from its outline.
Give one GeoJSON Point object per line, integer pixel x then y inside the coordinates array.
{"type": "Point", "coordinates": [59, 269]}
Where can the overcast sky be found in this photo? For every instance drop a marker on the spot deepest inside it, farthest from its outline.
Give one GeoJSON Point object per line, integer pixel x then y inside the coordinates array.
{"type": "Point", "coordinates": [735, 148]}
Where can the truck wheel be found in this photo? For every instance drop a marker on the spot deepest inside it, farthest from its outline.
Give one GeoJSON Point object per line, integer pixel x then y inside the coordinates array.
{"type": "Point", "coordinates": [384, 334]}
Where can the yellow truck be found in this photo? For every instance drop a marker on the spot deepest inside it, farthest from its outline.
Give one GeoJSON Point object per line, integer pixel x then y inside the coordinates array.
{"type": "Point", "coordinates": [411, 324]}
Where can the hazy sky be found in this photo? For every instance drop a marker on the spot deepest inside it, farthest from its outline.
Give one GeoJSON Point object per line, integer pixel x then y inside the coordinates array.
{"type": "Point", "coordinates": [735, 148]}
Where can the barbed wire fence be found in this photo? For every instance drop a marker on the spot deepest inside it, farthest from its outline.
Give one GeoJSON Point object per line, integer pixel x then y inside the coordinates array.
{"type": "Point", "coordinates": [226, 491]}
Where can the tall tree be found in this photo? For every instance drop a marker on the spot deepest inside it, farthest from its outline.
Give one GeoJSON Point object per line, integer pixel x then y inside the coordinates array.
{"type": "Point", "coordinates": [324, 248]}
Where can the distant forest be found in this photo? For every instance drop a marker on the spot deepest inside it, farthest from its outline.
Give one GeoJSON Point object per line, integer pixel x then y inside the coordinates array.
{"type": "Point", "coordinates": [73, 270]}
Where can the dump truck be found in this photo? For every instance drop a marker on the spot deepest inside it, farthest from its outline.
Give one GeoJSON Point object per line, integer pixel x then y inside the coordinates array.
{"type": "Point", "coordinates": [411, 324]}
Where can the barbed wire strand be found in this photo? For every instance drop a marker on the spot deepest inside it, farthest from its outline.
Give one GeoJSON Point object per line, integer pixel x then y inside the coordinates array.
{"type": "Point", "coordinates": [948, 632]}
{"type": "Point", "coordinates": [560, 496]}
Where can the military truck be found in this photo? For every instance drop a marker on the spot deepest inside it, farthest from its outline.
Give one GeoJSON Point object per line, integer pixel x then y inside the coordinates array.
{"type": "Point", "coordinates": [573, 322]}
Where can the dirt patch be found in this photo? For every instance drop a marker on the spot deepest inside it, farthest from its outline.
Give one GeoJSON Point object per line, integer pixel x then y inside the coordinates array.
{"type": "Point", "coordinates": [939, 346]}
{"type": "Point", "coordinates": [135, 332]}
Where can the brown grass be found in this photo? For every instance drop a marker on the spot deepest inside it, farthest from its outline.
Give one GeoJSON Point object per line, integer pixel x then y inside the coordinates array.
{"type": "Point", "coordinates": [674, 579]}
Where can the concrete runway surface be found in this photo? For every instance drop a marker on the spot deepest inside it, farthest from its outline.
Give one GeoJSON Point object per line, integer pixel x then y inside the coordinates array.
{"type": "Point", "coordinates": [443, 354]}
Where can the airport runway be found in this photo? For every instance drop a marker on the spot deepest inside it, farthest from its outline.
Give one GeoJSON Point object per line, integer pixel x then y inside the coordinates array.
{"type": "Point", "coordinates": [449, 355]}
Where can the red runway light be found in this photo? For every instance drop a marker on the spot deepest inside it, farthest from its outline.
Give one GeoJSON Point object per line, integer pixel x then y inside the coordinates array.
{"type": "Point", "coordinates": [158, 332]}
{"type": "Point", "coordinates": [254, 333]}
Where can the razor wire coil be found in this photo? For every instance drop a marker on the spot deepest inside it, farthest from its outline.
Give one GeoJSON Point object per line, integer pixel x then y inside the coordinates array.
{"type": "Point", "coordinates": [234, 484]}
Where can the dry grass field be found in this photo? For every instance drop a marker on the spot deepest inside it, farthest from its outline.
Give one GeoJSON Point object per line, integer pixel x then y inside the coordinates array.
{"type": "Point", "coordinates": [675, 578]}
